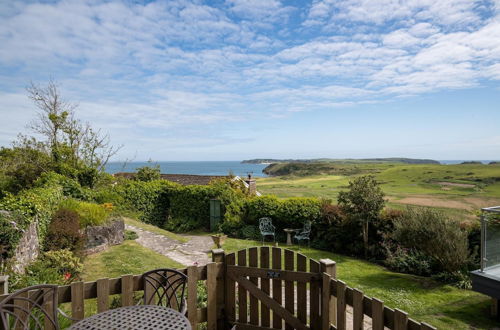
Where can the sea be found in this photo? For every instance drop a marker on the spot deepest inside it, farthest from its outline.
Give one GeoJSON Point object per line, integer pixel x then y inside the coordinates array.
{"type": "Point", "coordinates": [454, 162]}
{"type": "Point", "coordinates": [193, 167]}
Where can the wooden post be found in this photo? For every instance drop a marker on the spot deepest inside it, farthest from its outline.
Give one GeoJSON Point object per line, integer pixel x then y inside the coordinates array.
{"type": "Point", "coordinates": [192, 273]}
{"type": "Point", "coordinates": [4, 284]}
{"type": "Point", "coordinates": [400, 320]}
{"type": "Point", "coordinates": [377, 314]}
{"type": "Point", "coordinates": [127, 286]}
{"type": "Point", "coordinates": [330, 267]}
{"type": "Point", "coordinates": [357, 307]}
{"type": "Point", "coordinates": [341, 305]}
{"type": "Point", "coordinates": [219, 256]}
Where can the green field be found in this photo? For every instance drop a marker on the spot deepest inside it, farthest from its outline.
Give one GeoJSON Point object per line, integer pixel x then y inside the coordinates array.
{"type": "Point", "coordinates": [443, 306]}
{"type": "Point", "coordinates": [460, 190]}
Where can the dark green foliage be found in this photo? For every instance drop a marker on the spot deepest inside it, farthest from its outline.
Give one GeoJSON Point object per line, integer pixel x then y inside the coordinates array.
{"type": "Point", "coordinates": [88, 176]}
{"type": "Point", "coordinates": [362, 202]}
{"type": "Point", "coordinates": [148, 173]}
{"type": "Point", "coordinates": [36, 203]}
{"type": "Point", "coordinates": [432, 233]}
{"type": "Point", "coordinates": [10, 233]}
{"type": "Point", "coordinates": [250, 232]}
{"type": "Point", "coordinates": [409, 261]}
{"type": "Point", "coordinates": [90, 214]}
{"type": "Point", "coordinates": [70, 187]}
{"type": "Point", "coordinates": [130, 235]}
{"type": "Point", "coordinates": [64, 232]}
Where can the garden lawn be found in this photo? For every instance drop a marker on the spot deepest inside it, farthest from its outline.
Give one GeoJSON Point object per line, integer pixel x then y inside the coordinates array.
{"type": "Point", "coordinates": [126, 258]}
{"type": "Point", "coordinates": [443, 306]}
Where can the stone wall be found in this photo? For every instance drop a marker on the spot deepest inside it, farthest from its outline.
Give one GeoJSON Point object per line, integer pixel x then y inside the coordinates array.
{"type": "Point", "coordinates": [101, 237]}
{"type": "Point", "coordinates": [28, 248]}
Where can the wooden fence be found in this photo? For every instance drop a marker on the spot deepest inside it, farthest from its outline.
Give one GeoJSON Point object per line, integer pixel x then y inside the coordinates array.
{"type": "Point", "coordinates": [279, 289]}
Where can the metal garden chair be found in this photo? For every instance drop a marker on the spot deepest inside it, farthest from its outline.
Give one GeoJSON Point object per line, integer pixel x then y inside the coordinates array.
{"type": "Point", "coordinates": [266, 228]}
{"type": "Point", "coordinates": [33, 307]}
{"type": "Point", "coordinates": [304, 233]}
{"type": "Point", "coordinates": [165, 287]}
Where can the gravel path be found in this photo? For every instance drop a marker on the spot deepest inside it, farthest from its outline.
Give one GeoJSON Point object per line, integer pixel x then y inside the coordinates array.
{"type": "Point", "coordinates": [189, 253]}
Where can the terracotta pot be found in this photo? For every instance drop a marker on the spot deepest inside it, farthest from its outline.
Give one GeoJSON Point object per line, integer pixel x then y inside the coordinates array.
{"type": "Point", "coordinates": [218, 240]}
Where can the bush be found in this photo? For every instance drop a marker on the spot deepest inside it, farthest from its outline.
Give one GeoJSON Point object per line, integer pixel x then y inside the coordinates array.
{"type": "Point", "coordinates": [432, 233]}
{"type": "Point", "coordinates": [64, 232]}
{"type": "Point", "coordinates": [148, 173]}
{"type": "Point", "coordinates": [10, 233]}
{"type": "Point", "coordinates": [130, 235]}
{"type": "Point", "coordinates": [36, 203]}
{"type": "Point", "coordinates": [90, 214]}
{"type": "Point", "coordinates": [250, 232]}
{"type": "Point", "coordinates": [409, 261]}
{"type": "Point", "coordinates": [70, 187]}
{"type": "Point", "coordinates": [55, 267]}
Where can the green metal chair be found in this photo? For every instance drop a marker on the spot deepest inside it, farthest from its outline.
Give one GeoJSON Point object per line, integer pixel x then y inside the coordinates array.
{"type": "Point", "coordinates": [266, 228]}
{"type": "Point", "coordinates": [304, 233]}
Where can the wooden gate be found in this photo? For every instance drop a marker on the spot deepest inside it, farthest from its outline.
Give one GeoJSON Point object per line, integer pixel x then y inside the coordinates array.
{"type": "Point", "coordinates": [273, 288]}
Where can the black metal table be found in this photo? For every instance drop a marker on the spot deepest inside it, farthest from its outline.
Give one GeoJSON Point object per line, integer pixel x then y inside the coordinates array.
{"type": "Point", "coordinates": [147, 317]}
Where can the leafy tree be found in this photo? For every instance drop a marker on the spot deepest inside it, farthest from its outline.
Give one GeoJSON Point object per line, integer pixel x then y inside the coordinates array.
{"type": "Point", "coordinates": [68, 140]}
{"type": "Point", "coordinates": [148, 173]}
{"type": "Point", "coordinates": [362, 202]}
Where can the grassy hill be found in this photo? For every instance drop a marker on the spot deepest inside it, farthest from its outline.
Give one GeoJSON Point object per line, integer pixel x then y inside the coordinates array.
{"type": "Point", "coordinates": [458, 189]}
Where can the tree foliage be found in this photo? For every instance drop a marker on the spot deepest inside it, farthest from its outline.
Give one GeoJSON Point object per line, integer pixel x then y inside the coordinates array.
{"type": "Point", "coordinates": [363, 201]}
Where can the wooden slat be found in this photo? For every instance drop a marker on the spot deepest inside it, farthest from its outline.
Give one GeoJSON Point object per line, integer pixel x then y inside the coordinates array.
{"type": "Point", "coordinates": [242, 293]}
{"type": "Point", "coordinates": [341, 305]}
{"type": "Point", "coordinates": [102, 295]}
{"type": "Point", "coordinates": [357, 306]}
{"type": "Point", "coordinates": [48, 305]}
{"type": "Point", "coordinates": [277, 293]}
{"type": "Point", "coordinates": [77, 301]}
{"type": "Point", "coordinates": [289, 286]}
{"type": "Point", "coordinates": [271, 303]}
{"type": "Point", "coordinates": [314, 296]}
{"type": "Point", "coordinates": [192, 300]}
{"type": "Point", "coordinates": [230, 291]}
{"type": "Point", "coordinates": [212, 296]}
{"type": "Point", "coordinates": [254, 302]}
{"type": "Point", "coordinates": [284, 275]}
{"type": "Point", "coordinates": [325, 302]}
{"type": "Point", "coordinates": [377, 314]}
{"type": "Point", "coordinates": [400, 320]}
{"type": "Point", "coordinates": [302, 290]}
{"type": "Point", "coordinates": [425, 326]}
{"type": "Point", "coordinates": [219, 256]}
{"type": "Point", "coordinates": [127, 287]}
{"type": "Point", "coordinates": [265, 286]}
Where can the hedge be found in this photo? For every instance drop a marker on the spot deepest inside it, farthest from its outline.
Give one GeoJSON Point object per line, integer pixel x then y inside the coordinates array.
{"type": "Point", "coordinates": [29, 205]}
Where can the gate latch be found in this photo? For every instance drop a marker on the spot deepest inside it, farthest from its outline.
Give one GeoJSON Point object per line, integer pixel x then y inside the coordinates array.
{"type": "Point", "coordinates": [271, 274]}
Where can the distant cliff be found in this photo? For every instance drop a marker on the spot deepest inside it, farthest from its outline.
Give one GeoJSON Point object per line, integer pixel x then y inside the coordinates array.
{"type": "Point", "coordinates": [342, 161]}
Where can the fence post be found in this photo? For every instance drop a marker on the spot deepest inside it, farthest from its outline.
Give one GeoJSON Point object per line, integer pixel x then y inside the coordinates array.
{"type": "Point", "coordinates": [192, 300]}
{"type": "Point", "coordinates": [4, 284]}
{"type": "Point", "coordinates": [219, 256]}
{"type": "Point", "coordinates": [330, 267]}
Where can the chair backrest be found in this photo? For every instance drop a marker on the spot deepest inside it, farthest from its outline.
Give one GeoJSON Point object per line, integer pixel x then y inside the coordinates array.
{"type": "Point", "coordinates": [165, 287]}
{"type": "Point", "coordinates": [307, 228]}
{"type": "Point", "coordinates": [34, 307]}
{"type": "Point", "coordinates": [266, 225]}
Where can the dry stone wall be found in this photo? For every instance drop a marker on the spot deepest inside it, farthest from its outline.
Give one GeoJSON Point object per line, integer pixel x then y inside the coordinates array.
{"type": "Point", "coordinates": [101, 237]}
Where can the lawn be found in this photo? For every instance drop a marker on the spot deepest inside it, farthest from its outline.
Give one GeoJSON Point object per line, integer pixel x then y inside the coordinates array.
{"type": "Point", "coordinates": [443, 306]}
{"type": "Point", "coordinates": [126, 258]}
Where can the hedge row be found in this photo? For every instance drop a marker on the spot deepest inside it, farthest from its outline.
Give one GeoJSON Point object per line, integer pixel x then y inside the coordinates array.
{"type": "Point", "coordinates": [37, 204]}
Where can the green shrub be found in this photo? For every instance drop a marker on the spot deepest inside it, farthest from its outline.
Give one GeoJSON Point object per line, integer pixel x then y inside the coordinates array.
{"type": "Point", "coordinates": [54, 267]}
{"type": "Point", "coordinates": [250, 232]}
{"type": "Point", "coordinates": [148, 173]}
{"type": "Point", "coordinates": [90, 214]}
{"type": "Point", "coordinates": [70, 187]}
{"type": "Point", "coordinates": [432, 233]}
{"type": "Point", "coordinates": [130, 235]}
{"type": "Point", "coordinates": [409, 261]}
{"type": "Point", "coordinates": [10, 233]}
{"type": "Point", "coordinates": [64, 232]}
{"type": "Point", "coordinates": [39, 203]}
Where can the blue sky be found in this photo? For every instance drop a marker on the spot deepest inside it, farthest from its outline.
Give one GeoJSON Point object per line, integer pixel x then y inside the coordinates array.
{"type": "Point", "coordinates": [237, 79]}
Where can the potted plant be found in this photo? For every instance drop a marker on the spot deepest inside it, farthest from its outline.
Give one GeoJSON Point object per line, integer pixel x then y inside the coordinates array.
{"type": "Point", "coordinates": [219, 238]}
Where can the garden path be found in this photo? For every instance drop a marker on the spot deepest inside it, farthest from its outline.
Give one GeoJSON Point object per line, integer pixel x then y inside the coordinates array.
{"type": "Point", "coordinates": [193, 251]}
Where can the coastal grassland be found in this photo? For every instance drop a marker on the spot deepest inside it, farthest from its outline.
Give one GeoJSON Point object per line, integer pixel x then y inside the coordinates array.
{"type": "Point", "coordinates": [443, 306]}
{"type": "Point", "coordinates": [449, 187]}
